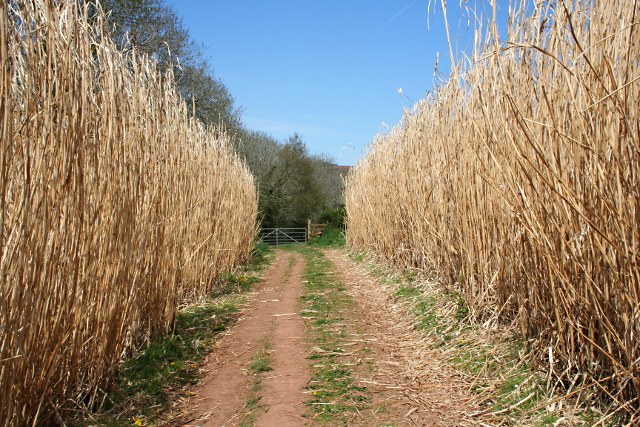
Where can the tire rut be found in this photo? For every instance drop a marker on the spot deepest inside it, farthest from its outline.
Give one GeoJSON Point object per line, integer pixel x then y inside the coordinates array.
{"type": "Point", "coordinates": [271, 315]}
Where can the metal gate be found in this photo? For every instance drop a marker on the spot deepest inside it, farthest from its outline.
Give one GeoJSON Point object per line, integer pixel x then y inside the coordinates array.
{"type": "Point", "coordinates": [282, 236]}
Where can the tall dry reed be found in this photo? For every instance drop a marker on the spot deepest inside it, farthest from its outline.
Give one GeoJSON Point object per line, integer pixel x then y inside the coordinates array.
{"type": "Point", "coordinates": [518, 181]}
{"type": "Point", "coordinates": [114, 206]}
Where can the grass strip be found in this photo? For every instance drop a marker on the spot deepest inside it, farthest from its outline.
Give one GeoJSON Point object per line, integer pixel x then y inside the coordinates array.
{"type": "Point", "coordinates": [335, 396]}
{"type": "Point", "coordinates": [260, 364]}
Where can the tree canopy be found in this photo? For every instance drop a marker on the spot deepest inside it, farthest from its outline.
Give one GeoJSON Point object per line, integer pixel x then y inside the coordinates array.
{"type": "Point", "coordinates": [154, 28]}
{"type": "Point", "coordinates": [294, 185]}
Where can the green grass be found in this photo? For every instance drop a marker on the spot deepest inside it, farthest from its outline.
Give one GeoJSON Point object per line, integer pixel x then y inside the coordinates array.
{"type": "Point", "coordinates": [234, 284]}
{"type": "Point", "coordinates": [147, 383]}
{"type": "Point", "coordinates": [332, 237]}
{"type": "Point", "coordinates": [260, 363]}
{"type": "Point", "coordinates": [358, 256]}
{"type": "Point", "coordinates": [150, 379]}
{"type": "Point", "coordinates": [501, 366]}
{"type": "Point", "coordinates": [244, 280]}
{"type": "Point", "coordinates": [423, 308]}
{"type": "Point", "coordinates": [261, 256]}
{"type": "Point", "coordinates": [501, 370]}
{"type": "Point", "coordinates": [424, 311]}
{"type": "Point", "coordinates": [335, 396]}
{"type": "Point", "coordinates": [406, 291]}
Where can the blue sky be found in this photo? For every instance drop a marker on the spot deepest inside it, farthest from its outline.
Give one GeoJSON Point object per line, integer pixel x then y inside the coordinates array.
{"type": "Point", "coordinates": [329, 70]}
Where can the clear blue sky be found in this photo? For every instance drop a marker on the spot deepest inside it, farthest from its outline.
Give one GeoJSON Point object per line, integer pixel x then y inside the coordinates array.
{"type": "Point", "coordinates": [329, 70]}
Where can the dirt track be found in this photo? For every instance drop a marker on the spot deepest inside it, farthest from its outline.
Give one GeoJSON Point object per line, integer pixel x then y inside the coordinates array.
{"type": "Point", "coordinates": [272, 316]}
{"type": "Point", "coordinates": [408, 381]}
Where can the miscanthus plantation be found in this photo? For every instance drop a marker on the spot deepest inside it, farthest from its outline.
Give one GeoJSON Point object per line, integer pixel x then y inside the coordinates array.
{"type": "Point", "coordinates": [518, 182]}
{"type": "Point", "coordinates": [114, 207]}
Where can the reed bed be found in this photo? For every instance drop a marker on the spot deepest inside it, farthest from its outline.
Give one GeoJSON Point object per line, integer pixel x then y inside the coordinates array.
{"type": "Point", "coordinates": [115, 207]}
{"type": "Point", "coordinates": [518, 182]}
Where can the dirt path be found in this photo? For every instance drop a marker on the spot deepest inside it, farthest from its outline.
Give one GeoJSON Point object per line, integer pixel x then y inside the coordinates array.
{"type": "Point", "coordinates": [410, 378]}
{"type": "Point", "coordinates": [406, 379]}
{"type": "Point", "coordinates": [282, 394]}
{"type": "Point", "coordinates": [270, 319]}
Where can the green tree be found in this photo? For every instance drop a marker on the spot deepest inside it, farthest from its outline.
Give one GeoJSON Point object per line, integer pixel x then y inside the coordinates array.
{"type": "Point", "coordinates": [288, 192]}
{"type": "Point", "coordinates": [330, 180]}
{"type": "Point", "coordinates": [211, 101]}
{"type": "Point", "coordinates": [293, 185]}
{"type": "Point", "coordinates": [154, 28]}
{"type": "Point", "coordinates": [259, 150]}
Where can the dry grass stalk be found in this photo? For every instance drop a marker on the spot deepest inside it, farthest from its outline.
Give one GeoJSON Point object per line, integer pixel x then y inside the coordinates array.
{"type": "Point", "coordinates": [519, 180]}
{"type": "Point", "coordinates": [114, 206]}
